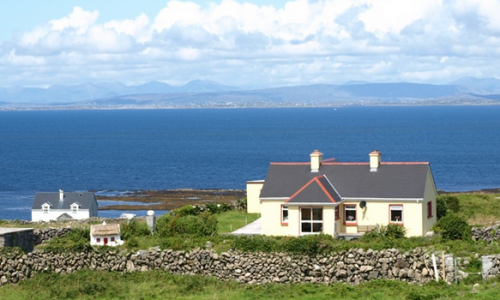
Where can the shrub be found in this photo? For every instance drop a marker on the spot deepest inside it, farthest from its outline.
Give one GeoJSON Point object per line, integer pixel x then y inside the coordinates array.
{"type": "Point", "coordinates": [392, 231]}
{"type": "Point", "coordinates": [134, 228]}
{"type": "Point", "coordinates": [445, 203]}
{"type": "Point", "coordinates": [77, 239]}
{"type": "Point", "coordinates": [452, 227]}
{"type": "Point", "coordinates": [204, 224]}
{"type": "Point", "coordinates": [187, 210]}
{"type": "Point", "coordinates": [217, 208]}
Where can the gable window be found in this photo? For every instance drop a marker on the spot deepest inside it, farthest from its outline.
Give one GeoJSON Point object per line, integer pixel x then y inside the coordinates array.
{"type": "Point", "coordinates": [350, 214]}
{"type": "Point", "coordinates": [396, 212]}
{"type": "Point", "coordinates": [74, 208]}
{"type": "Point", "coordinates": [284, 214]}
{"type": "Point", "coordinates": [311, 220]}
{"type": "Point", "coordinates": [45, 208]}
{"type": "Point", "coordinates": [429, 209]}
{"type": "Point", "coordinates": [337, 212]}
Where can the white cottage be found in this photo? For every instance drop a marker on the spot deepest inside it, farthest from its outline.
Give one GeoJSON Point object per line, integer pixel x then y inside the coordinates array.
{"type": "Point", "coordinates": [105, 234]}
{"type": "Point", "coordinates": [63, 206]}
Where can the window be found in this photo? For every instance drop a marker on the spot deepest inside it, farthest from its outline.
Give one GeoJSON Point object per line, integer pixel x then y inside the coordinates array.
{"type": "Point", "coordinates": [74, 209]}
{"type": "Point", "coordinates": [337, 212]}
{"type": "Point", "coordinates": [429, 209]}
{"type": "Point", "coordinates": [396, 212]}
{"type": "Point", "coordinates": [45, 208]}
{"type": "Point", "coordinates": [311, 220]}
{"type": "Point", "coordinates": [284, 214]}
{"type": "Point", "coordinates": [98, 240]}
{"type": "Point", "coordinates": [350, 213]}
{"type": "Point", "coordinates": [112, 238]}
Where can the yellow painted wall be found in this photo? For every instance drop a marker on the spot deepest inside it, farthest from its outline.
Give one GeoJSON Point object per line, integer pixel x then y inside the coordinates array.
{"type": "Point", "coordinates": [377, 213]}
{"type": "Point", "coordinates": [430, 195]}
{"type": "Point", "coordinates": [253, 193]}
{"type": "Point", "coordinates": [271, 218]}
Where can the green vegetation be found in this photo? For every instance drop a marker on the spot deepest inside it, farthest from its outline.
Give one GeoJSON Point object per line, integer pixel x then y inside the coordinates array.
{"type": "Point", "coordinates": [477, 209]}
{"type": "Point", "coordinates": [234, 219]}
{"type": "Point", "coordinates": [161, 285]}
{"type": "Point", "coordinates": [77, 239]}
{"type": "Point", "coordinates": [453, 227]}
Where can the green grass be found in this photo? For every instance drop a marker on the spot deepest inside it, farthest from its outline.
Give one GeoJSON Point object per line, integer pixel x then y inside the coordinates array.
{"type": "Point", "coordinates": [479, 209]}
{"type": "Point", "coordinates": [161, 285]}
{"type": "Point", "coordinates": [234, 219]}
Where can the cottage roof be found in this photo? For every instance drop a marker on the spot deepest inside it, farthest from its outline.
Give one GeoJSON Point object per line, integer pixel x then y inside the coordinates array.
{"type": "Point", "coordinates": [317, 190]}
{"type": "Point", "coordinates": [350, 180]}
{"type": "Point", "coordinates": [105, 229]}
{"type": "Point", "coordinates": [84, 199]}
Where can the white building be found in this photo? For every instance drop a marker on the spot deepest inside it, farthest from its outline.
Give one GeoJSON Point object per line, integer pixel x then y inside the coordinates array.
{"type": "Point", "coordinates": [105, 234]}
{"type": "Point", "coordinates": [63, 206]}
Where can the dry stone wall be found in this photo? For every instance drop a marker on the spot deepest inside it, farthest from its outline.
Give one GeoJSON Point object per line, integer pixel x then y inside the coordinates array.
{"type": "Point", "coordinates": [487, 234]}
{"type": "Point", "coordinates": [353, 266]}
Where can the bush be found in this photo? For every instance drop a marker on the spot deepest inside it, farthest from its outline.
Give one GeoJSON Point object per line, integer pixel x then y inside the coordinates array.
{"type": "Point", "coordinates": [134, 228]}
{"type": "Point", "coordinates": [445, 203]}
{"type": "Point", "coordinates": [217, 208]}
{"type": "Point", "coordinates": [187, 210]}
{"type": "Point", "coordinates": [392, 231]}
{"type": "Point", "coordinates": [77, 239]}
{"type": "Point", "coordinates": [204, 224]}
{"type": "Point", "coordinates": [452, 227]}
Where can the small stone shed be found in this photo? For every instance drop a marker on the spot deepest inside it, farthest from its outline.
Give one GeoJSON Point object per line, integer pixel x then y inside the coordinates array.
{"type": "Point", "coordinates": [17, 237]}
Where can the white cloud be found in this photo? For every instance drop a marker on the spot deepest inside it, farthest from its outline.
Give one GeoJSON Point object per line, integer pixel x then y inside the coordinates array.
{"type": "Point", "coordinates": [79, 19]}
{"type": "Point", "coordinates": [251, 45]}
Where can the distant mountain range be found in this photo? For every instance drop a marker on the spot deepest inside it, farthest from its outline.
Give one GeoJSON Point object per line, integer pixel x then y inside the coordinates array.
{"type": "Point", "coordinates": [202, 93]}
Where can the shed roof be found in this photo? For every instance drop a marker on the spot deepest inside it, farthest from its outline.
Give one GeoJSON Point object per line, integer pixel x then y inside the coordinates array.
{"type": "Point", "coordinates": [105, 229]}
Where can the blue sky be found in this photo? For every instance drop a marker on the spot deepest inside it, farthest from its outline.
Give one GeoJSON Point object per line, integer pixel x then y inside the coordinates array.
{"type": "Point", "coordinates": [248, 43]}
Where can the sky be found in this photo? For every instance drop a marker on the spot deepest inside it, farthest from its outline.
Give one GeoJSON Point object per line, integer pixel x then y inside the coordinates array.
{"type": "Point", "coordinates": [250, 44]}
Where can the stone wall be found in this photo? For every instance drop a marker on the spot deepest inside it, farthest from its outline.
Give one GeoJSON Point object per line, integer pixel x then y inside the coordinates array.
{"type": "Point", "coordinates": [353, 266]}
{"type": "Point", "coordinates": [17, 237]}
{"type": "Point", "coordinates": [45, 234]}
{"type": "Point", "coordinates": [488, 234]}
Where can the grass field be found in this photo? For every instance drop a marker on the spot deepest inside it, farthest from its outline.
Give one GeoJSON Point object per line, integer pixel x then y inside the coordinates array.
{"type": "Point", "coordinates": [234, 219]}
{"type": "Point", "coordinates": [161, 285]}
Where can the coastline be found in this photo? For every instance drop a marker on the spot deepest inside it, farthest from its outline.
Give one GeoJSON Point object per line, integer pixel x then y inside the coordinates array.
{"type": "Point", "coordinates": [171, 199]}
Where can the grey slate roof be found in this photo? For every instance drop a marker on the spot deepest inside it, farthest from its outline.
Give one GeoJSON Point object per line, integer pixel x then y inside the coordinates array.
{"type": "Point", "coordinates": [317, 190]}
{"type": "Point", "coordinates": [85, 200]}
{"type": "Point", "coordinates": [351, 180]}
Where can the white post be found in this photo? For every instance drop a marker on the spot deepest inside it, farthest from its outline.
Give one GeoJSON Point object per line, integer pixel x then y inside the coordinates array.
{"type": "Point", "coordinates": [435, 267]}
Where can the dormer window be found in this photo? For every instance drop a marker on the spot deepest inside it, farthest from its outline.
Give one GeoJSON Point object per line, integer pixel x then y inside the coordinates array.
{"type": "Point", "coordinates": [74, 208]}
{"type": "Point", "coordinates": [45, 208]}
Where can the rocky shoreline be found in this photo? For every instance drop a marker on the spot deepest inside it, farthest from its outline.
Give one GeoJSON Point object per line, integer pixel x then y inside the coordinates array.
{"type": "Point", "coordinates": [172, 199]}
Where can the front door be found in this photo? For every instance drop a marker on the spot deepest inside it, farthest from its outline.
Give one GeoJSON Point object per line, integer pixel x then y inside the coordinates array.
{"type": "Point", "coordinates": [105, 241]}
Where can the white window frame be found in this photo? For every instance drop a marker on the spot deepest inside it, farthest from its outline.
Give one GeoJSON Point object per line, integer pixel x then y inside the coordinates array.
{"type": "Point", "coordinates": [45, 208]}
{"type": "Point", "coordinates": [350, 207]}
{"type": "Point", "coordinates": [395, 207]}
{"type": "Point", "coordinates": [312, 221]}
{"type": "Point", "coordinates": [74, 208]}
{"type": "Point", "coordinates": [284, 209]}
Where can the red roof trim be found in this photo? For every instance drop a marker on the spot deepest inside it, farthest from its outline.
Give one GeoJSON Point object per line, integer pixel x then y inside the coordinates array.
{"type": "Point", "coordinates": [320, 185]}
{"type": "Point", "coordinates": [324, 190]}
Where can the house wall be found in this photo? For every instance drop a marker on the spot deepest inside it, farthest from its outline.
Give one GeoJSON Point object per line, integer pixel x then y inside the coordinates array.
{"type": "Point", "coordinates": [53, 214]}
{"type": "Point", "coordinates": [253, 194]}
{"type": "Point", "coordinates": [271, 218]}
{"type": "Point", "coordinates": [93, 240]}
{"type": "Point", "coordinates": [429, 195]}
{"type": "Point", "coordinates": [378, 213]}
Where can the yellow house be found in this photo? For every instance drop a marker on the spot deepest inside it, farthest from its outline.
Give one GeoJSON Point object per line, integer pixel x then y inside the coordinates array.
{"type": "Point", "coordinates": [344, 199]}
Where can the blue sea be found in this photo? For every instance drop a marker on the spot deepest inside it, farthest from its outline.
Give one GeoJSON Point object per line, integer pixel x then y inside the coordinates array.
{"type": "Point", "coordinates": [123, 150]}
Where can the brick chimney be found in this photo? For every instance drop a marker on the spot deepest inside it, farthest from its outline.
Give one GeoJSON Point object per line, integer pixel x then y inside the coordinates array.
{"type": "Point", "coordinates": [316, 158]}
{"type": "Point", "coordinates": [375, 159]}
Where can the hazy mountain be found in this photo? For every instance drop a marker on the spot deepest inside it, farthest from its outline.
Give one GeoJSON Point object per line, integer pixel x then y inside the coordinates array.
{"type": "Point", "coordinates": [91, 91]}
{"type": "Point", "coordinates": [482, 85]}
{"type": "Point", "coordinates": [202, 93]}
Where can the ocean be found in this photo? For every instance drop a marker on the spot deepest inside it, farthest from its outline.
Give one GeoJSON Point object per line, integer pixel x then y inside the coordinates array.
{"type": "Point", "coordinates": [124, 150]}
